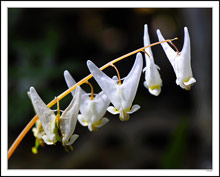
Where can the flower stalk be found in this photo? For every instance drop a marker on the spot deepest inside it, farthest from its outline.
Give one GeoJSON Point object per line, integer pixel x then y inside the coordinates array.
{"type": "Point", "coordinates": [119, 78]}
{"type": "Point", "coordinates": [65, 93]}
{"type": "Point", "coordinates": [92, 92]}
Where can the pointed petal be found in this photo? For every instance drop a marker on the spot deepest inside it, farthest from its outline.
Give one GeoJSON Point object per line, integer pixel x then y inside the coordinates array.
{"type": "Point", "coordinates": [131, 82]}
{"type": "Point", "coordinates": [186, 46]}
{"type": "Point", "coordinates": [112, 110]}
{"type": "Point", "coordinates": [72, 139]}
{"type": "Point", "coordinates": [71, 82]}
{"type": "Point", "coordinates": [147, 42]}
{"type": "Point", "coordinates": [69, 117]}
{"type": "Point", "coordinates": [82, 121]}
{"type": "Point", "coordinates": [134, 109]}
{"type": "Point", "coordinates": [108, 85]}
{"type": "Point", "coordinates": [170, 53]}
{"type": "Point", "coordinates": [104, 121]}
{"type": "Point", "coordinates": [46, 115]}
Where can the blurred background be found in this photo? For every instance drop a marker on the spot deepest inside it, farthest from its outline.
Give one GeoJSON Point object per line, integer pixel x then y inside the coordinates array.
{"type": "Point", "coordinates": [171, 131]}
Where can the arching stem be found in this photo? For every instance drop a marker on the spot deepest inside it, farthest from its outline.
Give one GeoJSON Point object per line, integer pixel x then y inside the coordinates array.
{"type": "Point", "coordinates": [62, 95]}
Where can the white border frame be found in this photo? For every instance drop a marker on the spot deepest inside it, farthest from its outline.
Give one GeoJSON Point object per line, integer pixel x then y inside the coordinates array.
{"type": "Point", "coordinates": [99, 4]}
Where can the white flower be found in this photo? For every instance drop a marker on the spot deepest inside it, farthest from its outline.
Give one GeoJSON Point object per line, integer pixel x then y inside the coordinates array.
{"type": "Point", "coordinates": [120, 95]}
{"type": "Point", "coordinates": [181, 63]}
{"type": "Point", "coordinates": [48, 119]}
{"type": "Point", "coordinates": [92, 110]}
{"type": "Point", "coordinates": [68, 119]}
{"type": "Point", "coordinates": [152, 77]}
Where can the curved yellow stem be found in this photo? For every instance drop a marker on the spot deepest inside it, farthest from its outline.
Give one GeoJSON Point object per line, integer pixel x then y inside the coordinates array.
{"type": "Point", "coordinates": [62, 95]}
{"type": "Point", "coordinates": [92, 92]}
{"type": "Point", "coordinates": [119, 78]}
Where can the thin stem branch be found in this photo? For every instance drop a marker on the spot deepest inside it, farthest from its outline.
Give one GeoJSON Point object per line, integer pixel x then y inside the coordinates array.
{"type": "Point", "coordinates": [92, 92]}
{"type": "Point", "coordinates": [62, 95]}
{"type": "Point", "coordinates": [119, 78]}
{"type": "Point", "coordinates": [175, 47]}
{"type": "Point", "coordinates": [146, 53]}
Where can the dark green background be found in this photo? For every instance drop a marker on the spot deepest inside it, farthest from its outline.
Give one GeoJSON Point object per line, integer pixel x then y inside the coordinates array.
{"type": "Point", "coordinates": [171, 131]}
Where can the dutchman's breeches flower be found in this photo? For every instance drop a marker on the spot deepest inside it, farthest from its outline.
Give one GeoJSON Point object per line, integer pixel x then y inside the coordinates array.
{"type": "Point", "coordinates": [46, 117]}
{"type": "Point", "coordinates": [181, 62]}
{"type": "Point", "coordinates": [68, 119]}
{"type": "Point", "coordinates": [152, 77]}
{"type": "Point", "coordinates": [52, 124]}
{"type": "Point", "coordinates": [92, 109]}
{"type": "Point", "coordinates": [120, 95]}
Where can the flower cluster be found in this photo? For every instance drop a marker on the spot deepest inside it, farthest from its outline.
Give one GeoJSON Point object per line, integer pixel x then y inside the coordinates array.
{"type": "Point", "coordinates": [89, 108]}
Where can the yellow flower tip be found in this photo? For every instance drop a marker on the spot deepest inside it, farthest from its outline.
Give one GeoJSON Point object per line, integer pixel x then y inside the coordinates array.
{"type": "Point", "coordinates": [97, 123]}
{"type": "Point", "coordinates": [186, 80]}
{"type": "Point", "coordinates": [187, 87]}
{"type": "Point", "coordinates": [154, 87]}
{"type": "Point", "coordinates": [94, 128]}
{"type": "Point", "coordinates": [34, 150]}
{"type": "Point", "coordinates": [125, 116]}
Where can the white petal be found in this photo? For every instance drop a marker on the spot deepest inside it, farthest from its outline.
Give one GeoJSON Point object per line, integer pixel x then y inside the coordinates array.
{"type": "Point", "coordinates": [170, 53]}
{"type": "Point", "coordinates": [183, 68]}
{"type": "Point", "coordinates": [104, 121]}
{"type": "Point", "coordinates": [155, 92]}
{"type": "Point", "coordinates": [134, 109]}
{"type": "Point", "coordinates": [108, 85]}
{"type": "Point", "coordinates": [190, 81]}
{"type": "Point", "coordinates": [47, 140]}
{"type": "Point", "coordinates": [147, 42]}
{"type": "Point", "coordinates": [186, 46]}
{"type": "Point", "coordinates": [112, 110]}
{"type": "Point", "coordinates": [152, 76]}
{"type": "Point", "coordinates": [72, 139]}
{"type": "Point", "coordinates": [131, 82]}
{"type": "Point", "coordinates": [101, 103]}
{"type": "Point", "coordinates": [82, 121]}
{"type": "Point", "coordinates": [71, 82]}
{"type": "Point", "coordinates": [68, 118]}
{"type": "Point", "coordinates": [87, 108]}
{"type": "Point", "coordinates": [46, 115]}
